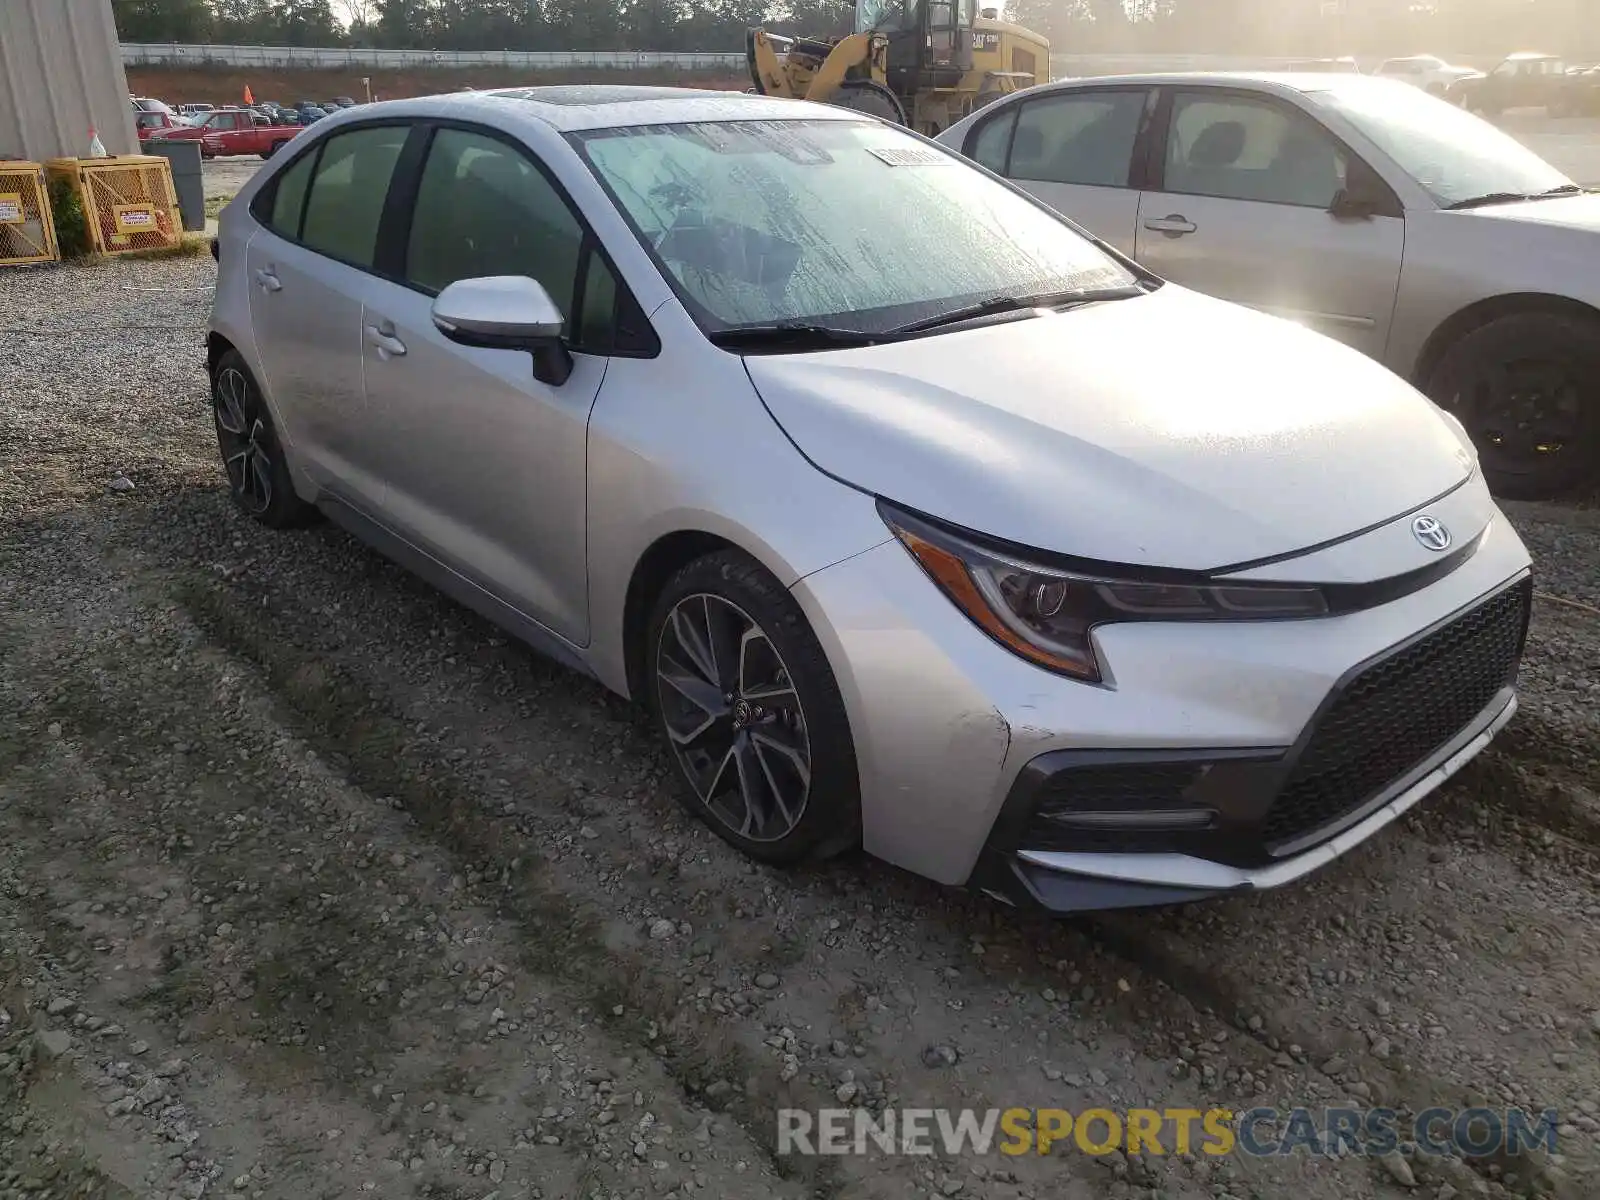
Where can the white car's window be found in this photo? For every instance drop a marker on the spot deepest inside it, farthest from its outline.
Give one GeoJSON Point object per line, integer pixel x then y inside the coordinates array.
{"type": "Point", "coordinates": [484, 209]}
{"type": "Point", "coordinates": [855, 222]}
{"type": "Point", "coordinates": [288, 200]}
{"type": "Point", "coordinates": [1236, 148]}
{"type": "Point", "coordinates": [1454, 155]}
{"type": "Point", "coordinates": [993, 141]}
{"type": "Point", "coordinates": [349, 190]}
{"type": "Point", "coordinates": [1081, 138]}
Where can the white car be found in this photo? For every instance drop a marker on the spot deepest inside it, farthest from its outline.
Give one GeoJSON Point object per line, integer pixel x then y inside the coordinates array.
{"type": "Point", "coordinates": [917, 519]}
{"type": "Point", "coordinates": [1391, 220]}
{"type": "Point", "coordinates": [1431, 74]}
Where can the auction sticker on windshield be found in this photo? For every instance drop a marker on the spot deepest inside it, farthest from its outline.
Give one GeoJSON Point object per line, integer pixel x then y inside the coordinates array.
{"type": "Point", "coordinates": [909, 156]}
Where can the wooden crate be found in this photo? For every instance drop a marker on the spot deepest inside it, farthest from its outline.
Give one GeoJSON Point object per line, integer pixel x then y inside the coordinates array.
{"type": "Point", "coordinates": [27, 232]}
{"type": "Point", "coordinates": [129, 200]}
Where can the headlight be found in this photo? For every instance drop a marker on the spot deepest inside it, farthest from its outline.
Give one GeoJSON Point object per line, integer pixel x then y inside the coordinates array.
{"type": "Point", "coordinates": [1045, 613]}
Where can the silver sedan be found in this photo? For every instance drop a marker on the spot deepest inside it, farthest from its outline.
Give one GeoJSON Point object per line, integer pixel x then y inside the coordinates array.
{"type": "Point", "coordinates": [1364, 208]}
{"type": "Point", "coordinates": [857, 466]}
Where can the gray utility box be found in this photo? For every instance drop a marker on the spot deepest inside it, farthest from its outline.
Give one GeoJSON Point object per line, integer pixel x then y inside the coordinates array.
{"type": "Point", "coordinates": [187, 180]}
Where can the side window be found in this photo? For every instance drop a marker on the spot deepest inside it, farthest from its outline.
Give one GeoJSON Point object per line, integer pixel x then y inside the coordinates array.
{"type": "Point", "coordinates": [287, 198]}
{"type": "Point", "coordinates": [993, 140]}
{"type": "Point", "coordinates": [349, 190]}
{"type": "Point", "coordinates": [1078, 138]}
{"type": "Point", "coordinates": [484, 209]}
{"type": "Point", "coordinates": [1237, 148]}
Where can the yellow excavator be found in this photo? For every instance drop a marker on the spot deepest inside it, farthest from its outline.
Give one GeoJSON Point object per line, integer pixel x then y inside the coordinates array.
{"type": "Point", "coordinates": [922, 63]}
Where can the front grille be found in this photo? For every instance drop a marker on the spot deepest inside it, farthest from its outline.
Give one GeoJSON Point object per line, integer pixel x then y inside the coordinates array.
{"type": "Point", "coordinates": [1398, 713]}
{"type": "Point", "coordinates": [1110, 788]}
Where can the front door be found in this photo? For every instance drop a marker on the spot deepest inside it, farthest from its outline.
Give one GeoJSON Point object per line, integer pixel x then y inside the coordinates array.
{"type": "Point", "coordinates": [1241, 211]}
{"type": "Point", "coordinates": [486, 465]}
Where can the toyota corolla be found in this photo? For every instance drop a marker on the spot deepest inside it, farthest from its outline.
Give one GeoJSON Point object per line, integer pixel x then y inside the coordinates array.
{"type": "Point", "coordinates": [919, 519]}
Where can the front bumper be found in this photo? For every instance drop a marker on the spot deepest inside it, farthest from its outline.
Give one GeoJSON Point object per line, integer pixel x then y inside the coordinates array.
{"type": "Point", "coordinates": [1281, 735]}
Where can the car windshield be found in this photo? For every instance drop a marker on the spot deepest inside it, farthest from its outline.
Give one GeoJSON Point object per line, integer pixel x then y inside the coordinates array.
{"type": "Point", "coordinates": [849, 223]}
{"type": "Point", "coordinates": [1454, 155]}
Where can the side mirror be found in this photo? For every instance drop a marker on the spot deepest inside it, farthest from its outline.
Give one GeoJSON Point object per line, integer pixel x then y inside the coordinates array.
{"type": "Point", "coordinates": [1362, 197]}
{"type": "Point", "coordinates": [506, 312]}
{"type": "Point", "coordinates": [1349, 205]}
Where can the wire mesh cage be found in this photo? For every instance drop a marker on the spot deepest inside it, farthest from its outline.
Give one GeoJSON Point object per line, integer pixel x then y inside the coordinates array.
{"type": "Point", "coordinates": [27, 231]}
{"type": "Point", "coordinates": [128, 202]}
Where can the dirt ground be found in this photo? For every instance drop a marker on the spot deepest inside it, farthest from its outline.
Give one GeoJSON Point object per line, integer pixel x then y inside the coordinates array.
{"type": "Point", "coordinates": [314, 884]}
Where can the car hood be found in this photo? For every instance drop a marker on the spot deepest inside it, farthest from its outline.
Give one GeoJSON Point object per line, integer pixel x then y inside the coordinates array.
{"type": "Point", "coordinates": [1566, 212]}
{"type": "Point", "coordinates": [1169, 430]}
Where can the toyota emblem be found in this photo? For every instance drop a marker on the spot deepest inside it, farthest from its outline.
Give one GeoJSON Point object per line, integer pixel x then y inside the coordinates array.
{"type": "Point", "coordinates": [1431, 533]}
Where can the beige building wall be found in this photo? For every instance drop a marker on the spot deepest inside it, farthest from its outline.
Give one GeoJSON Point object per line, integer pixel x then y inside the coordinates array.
{"type": "Point", "coordinates": [60, 72]}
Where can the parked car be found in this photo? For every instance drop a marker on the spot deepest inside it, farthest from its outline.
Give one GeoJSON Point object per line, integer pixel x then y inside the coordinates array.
{"type": "Point", "coordinates": [308, 113]}
{"type": "Point", "coordinates": [149, 104]}
{"type": "Point", "coordinates": [1526, 81]}
{"type": "Point", "coordinates": [196, 109]}
{"type": "Point", "coordinates": [221, 120]}
{"type": "Point", "coordinates": [340, 102]}
{"type": "Point", "coordinates": [152, 124]}
{"type": "Point", "coordinates": [1339, 66]}
{"type": "Point", "coordinates": [982, 546]}
{"type": "Point", "coordinates": [1391, 220]}
{"type": "Point", "coordinates": [1431, 74]}
{"type": "Point", "coordinates": [260, 137]}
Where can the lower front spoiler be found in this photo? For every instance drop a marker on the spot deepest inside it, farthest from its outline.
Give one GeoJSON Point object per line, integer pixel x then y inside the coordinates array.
{"type": "Point", "coordinates": [1066, 882]}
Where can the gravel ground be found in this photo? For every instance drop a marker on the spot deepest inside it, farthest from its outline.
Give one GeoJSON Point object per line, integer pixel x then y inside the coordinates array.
{"type": "Point", "coordinates": [313, 884]}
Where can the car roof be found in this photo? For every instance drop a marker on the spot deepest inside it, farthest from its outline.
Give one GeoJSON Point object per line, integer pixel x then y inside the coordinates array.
{"type": "Point", "coordinates": [573, 107]}
{"type": "Point", "coordinates": [1292, 81]}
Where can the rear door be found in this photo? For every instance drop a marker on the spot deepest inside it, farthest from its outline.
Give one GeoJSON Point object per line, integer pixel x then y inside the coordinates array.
{"type": "Point", "coordinates": [1242, 186]}
{"type": "Point", "coordinates": [311, 268]}
{"type": "Point", "coordinates": [1074, 150]}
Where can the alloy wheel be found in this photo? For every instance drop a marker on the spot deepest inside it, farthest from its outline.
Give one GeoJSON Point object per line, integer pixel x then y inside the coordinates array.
{"type": "Point", "coordinates": [733, 717]}
{"type": "Point", "coordinates": [242, 434]}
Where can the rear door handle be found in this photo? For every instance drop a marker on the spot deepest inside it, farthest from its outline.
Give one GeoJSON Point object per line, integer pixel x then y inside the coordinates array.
{"type": "Point", "coordinates": [1173, 226]}
{"type": "Point", "coordinates": [383, 340]}
{"type": "Point", "coordinates": [268, 279]}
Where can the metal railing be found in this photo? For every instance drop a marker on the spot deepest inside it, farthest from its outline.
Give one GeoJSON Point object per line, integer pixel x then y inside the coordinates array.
{"type": "Point", "coordinates": [175, 54]}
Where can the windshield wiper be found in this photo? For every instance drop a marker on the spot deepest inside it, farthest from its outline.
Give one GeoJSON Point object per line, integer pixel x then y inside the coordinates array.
{"type": "Point", "coordinates": [1488, 198]}
{"type": "Point", "coordinates": [791, 335]}
{"type": "Point", "coordinates": [995, 305]}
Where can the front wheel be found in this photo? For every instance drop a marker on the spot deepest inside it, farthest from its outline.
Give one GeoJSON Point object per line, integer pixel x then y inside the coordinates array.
{"type": "Point", "coordinates": [866, 96]}
{"type": "Point", "coordinates": [750, 711]}
{"type": "Point", "coordinates": [1527, 388]}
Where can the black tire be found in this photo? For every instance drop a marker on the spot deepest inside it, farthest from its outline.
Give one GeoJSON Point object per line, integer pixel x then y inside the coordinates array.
{"type": "Point", "coordinates": [252, 456]}
{"type": "Point", "coordinates": [1527, 388]}
{"type": "Point", "coordinates": [863, 95]}
{"type": "Point", "coordinates": [780, 664]}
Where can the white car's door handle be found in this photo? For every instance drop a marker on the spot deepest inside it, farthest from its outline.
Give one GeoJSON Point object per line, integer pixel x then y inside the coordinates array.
{"type": "Point", "coordinates": [385, 342]}
{"type": "Point", "coordinates": [1173, 226]}
{"type": "Point", "coordinates": [269, 280]}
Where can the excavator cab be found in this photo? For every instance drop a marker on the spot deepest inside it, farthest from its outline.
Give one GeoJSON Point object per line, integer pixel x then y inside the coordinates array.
{"type": "Point", "coordinates": [929, 41]}
{"type": "Point", "coordinates": [909, 61]}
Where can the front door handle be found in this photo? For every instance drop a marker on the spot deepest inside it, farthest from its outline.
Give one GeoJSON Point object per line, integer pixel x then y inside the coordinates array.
{"type": "Point", "coordinates": [1174, 226]}
{"type": "Point", "coordinates": [383, 340]}
{"type": "Point", "coordinates": [268, 279]}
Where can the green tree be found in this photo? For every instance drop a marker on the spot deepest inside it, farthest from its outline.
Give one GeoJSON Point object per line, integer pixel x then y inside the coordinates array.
{"type": "Point", "coordinates": [162, 20]}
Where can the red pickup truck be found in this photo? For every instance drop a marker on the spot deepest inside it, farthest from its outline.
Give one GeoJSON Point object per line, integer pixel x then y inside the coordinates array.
{"type": "Point", "coordinates": [240, 131]}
